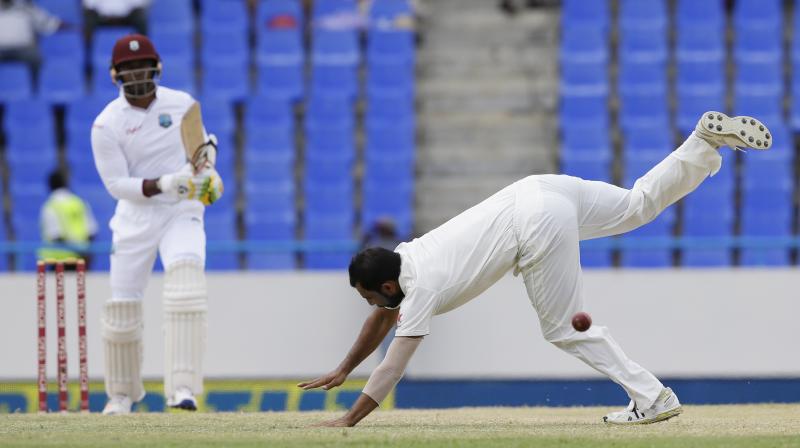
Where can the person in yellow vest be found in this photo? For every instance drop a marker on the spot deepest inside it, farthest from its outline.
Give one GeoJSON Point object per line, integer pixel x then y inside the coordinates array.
{"type": "Point", "coordinates": [66, 219]}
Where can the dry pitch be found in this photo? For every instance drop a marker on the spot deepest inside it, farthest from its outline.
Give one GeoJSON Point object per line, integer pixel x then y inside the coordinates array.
{"type": "Point", "coordinates": [698, 426]}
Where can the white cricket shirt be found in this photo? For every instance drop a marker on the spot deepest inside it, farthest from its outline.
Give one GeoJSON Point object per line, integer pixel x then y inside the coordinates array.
{"type": "Point", "coordinates": [132, 144]}
{"type": "Point", "coordinates": [454, 263]}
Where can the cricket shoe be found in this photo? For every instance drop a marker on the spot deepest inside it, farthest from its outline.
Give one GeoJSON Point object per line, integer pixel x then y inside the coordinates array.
{"type": "Point", "coordinates": [118, 405]}
{"type": "Point", "coordinates": [665, 407]}
{"type": "Point", "coordinates": [719, 129]}
{"type": "Point", "coordinates": [183, 399]}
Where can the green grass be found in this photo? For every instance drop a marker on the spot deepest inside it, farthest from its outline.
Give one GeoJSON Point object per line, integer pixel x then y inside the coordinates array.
{"type": "Point", "coordinates": [699, 426]}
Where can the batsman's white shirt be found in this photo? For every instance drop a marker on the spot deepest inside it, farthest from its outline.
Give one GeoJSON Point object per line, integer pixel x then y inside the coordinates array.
{"type": "Point", "coordinates": [131, 144]}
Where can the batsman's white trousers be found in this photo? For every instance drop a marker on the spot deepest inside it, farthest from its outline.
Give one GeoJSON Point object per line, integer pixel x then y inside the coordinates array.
{"type": "Point", "coordinates": [175, 231]}
{"type": "Point", "coordinates": [554, 213]}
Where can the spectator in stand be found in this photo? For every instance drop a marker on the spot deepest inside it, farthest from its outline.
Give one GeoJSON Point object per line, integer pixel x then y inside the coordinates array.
{"type": "Point", "coordinates": [131, 13]}
{"type": "Point", "coordinates": [20, 22]}
{"type": "Point", "coordinates": [382, 234]}
{"type": "Point", "coordinates": [66, 219]}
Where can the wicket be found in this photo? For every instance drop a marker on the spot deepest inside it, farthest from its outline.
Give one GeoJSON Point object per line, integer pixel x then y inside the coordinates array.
{"type": "Point", "coordinates": [41, 273]}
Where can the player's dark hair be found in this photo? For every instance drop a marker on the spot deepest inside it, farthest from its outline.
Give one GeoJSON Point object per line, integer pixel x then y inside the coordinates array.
{"type": "Point", "coordinates": [57, 179]}
{"type": "Point", "coordinates": [374, 266]}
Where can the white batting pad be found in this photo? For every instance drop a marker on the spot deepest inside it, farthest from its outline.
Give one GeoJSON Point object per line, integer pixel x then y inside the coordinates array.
{"type": "Point", "coordinates": [185, 306]}
{"type": "Point", "coordinates": [122, 337]}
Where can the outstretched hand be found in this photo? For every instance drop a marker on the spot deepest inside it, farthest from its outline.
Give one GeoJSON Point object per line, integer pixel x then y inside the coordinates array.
{"type": "Point", "coordinates": [327, 381]}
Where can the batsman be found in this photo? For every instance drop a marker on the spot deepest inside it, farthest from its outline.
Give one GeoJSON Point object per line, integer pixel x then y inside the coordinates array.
{"type": "Point", "coordinates": [157, 161]}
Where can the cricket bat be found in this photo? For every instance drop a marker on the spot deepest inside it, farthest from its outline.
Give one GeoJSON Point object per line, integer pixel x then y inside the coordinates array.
{"type": "Point", "coordinates": [194, 140]}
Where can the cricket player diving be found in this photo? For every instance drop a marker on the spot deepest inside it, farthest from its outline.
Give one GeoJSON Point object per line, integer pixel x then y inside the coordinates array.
{"type": "Point", "coordinates": [139, 150]}
{"type": "Point", "coordinates": [532, 226]}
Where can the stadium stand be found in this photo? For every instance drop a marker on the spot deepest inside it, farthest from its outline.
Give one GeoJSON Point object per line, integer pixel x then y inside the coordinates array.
{"type": "Point", "coordinates": [748, 199]}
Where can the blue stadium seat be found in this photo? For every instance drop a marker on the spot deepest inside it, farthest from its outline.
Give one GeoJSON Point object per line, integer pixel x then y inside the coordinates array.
{"type": "Point", "coordinates": [713, 223]}
{"type": "Point", "coordinates": [221, 80]}
{"type": "Point", "coordinates": [587, 165]}
{"type": "Point", "coordinates": [179, 77]}
{"type": "Point", "coordinates": [579, 13]}
{"type": "Point", "coordinates": [645, 257]}
{"type": "Point", "coordinates": [390, 108]}
{"type": "Point", "coordinates": [794, 108]}
{"type": "Point", "coordinates": [285, 82]}
{"type": "Point", "coordinates": [387, 139]}
{"type": "Point", "coordinates": [596, 258]}
{"type": "Point", "coordinates": [390, 47]}
{"type": "Point", "coordinates": [764, 79]}
{"type": "Point", "coordinates": [767, 213]}
{"type": "Point", "coordinates": [390, 77]}
{"type": "Point", "coordinates": [392, 199]}
{"type": "Point", "coordinates": [384, 13]}
{"type": "Point", "coordinates": [175, 15]}
{"type": "Point", "coordinates": [709, 14]}
{"type": "Point", "coordinates": [327, 8]}
{"type": "Point", "coordinates": [693, 103]}
{"type": "Point", "coordinates": [643, 45]}
{"type": "Point", "coordinates": [273, 226]}
{"type": "Point", "coordinates": [223, 15]}
{"type": "Point", "coordinates": [584, 79]}
{"type": "Point", "coordinates": [61, 82]}
{"type": "Point", "coordinates": [321, 228]}
{"type": "Point", "coordinates": [28, 198]}
{"type": "Point", "coordinates": [337, 80]}
{"type": "Point", "coordinates": [643, 140]}
{"type": "Point", "coordinates": [268, 111]}
{"type": "Point", "coordinates": [757, 15]}
{"type": "Point", "coordinates": [269, 166]}
{"type": "Point", "coordinates": [30, 131]}
{"type": "Point", "coordinates": [67, 10]}
{"type": "Point", "coordinates": [268, 11]}
{"type": "Point", "coordinates": [577, 111]}
{"type": "Point", "coordinates": [700, 77]}
{"type": "Point", "coordinates": [335, 48]}
{"type": "Point", "coordinates": [280, 48]}
{"type": "Point", "coordinates": [642, 89]}
{"type": "Point", "coordinates": [224, 229]}
{"type": "Point", "coordinates": [103, 43]}
{"type": "Point", "coordinates": [63, 46]}
{"type": "Point", "coordinates": [643, 14]}
{"type": "Point", "coordinates": [269, 140]}
{"type": "Point", "coordinates": [225, 46]}
{"type": "Point", "coordinates": [697, 43]}
{"type": "Point", "coordinates": [756, 45]}
{"type": "Point", "coordinates": [174, 46]}
{"type": "Point", "coordinates": [26, 229]}
{"type": "Point", "coordinates": [587, 136]}
{"type": "Point", "coordinates": [16, 85]}
{"type": "Point", "coordinates": [329, 111]}
{"type": "Point", "coordinates": [218, 115]}
{"type": "Point", "coordinates": [102, 84]}
{"type": "Point", "coordinates": [638, 164]}
{"type": "Point", "coordinates": [584, 45]}
{"type": "Point", "coordinates": [329, 168]}
{"type": "Point", "coordinates": [328, 196]}
{"type": "Point", "coordinates": [269, 194]}
{"type": "Point", "coordinates": [79, 116]}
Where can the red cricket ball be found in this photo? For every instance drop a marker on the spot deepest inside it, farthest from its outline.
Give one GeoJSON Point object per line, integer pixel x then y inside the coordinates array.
{"type": "Point", "coordinates": [581, 321]}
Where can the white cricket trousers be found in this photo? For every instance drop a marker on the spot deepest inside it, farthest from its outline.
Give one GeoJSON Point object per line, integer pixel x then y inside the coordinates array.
{"type": "Point", "coordinates": [175, 231]}
{"type": "Point", "coordinates": [556, 212]}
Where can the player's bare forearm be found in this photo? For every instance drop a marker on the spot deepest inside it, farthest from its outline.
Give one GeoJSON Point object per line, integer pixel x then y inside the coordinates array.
{"type": "Point", "coordinates": [375, 328]}
{"type": "Point", "coordinates": [150, 188]}
{"type": "Point", "coordinates": [361, 408]}
{"type": "Point", "coordinates": [372, 333]}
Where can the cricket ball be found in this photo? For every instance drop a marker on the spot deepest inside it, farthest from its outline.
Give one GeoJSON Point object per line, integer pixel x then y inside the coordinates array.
{"type": "Point", "coordinates": [581, 321]}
